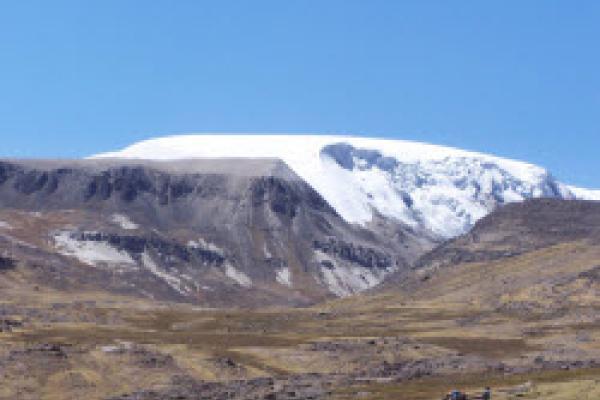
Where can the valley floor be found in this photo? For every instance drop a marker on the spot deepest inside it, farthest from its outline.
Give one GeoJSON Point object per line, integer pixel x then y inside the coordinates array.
{"type": "Point", "coordinates": [61, 345]}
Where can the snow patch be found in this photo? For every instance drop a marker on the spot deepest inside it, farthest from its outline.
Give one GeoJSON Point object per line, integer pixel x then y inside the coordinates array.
{"type": "Point", "coordinates": [237, 275]}
{"type": "Point", "coordinates": [5, 225]}
{"type": "Point", "coordinates": [173, 281]}
{"type": "Point", "coordinates": [90, 252]}
{"type": "Point", "coordinates": [283, 276]}
{"type": "Point", "coordinates": [200, 243]}
{"type": "Point", "coordinates": [266, 251]}
{"type": "Point", "coordinates": [345, 281]}
{"type": "Point", "coordinates": [124, 222]}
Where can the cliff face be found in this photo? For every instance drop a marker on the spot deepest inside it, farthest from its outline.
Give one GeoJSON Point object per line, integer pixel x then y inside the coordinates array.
{"type": "Point", "coordinates": [220, 232]}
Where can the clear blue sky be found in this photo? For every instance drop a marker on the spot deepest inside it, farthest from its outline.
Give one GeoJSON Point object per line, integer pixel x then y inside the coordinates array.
{"type": "Point", "coordinates": [514, 78]}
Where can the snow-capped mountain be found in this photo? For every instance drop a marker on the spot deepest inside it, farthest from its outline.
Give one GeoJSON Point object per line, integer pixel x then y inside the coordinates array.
{"type": "Point", "coordinates": [441, 189]}
{"type": "Point", "coordinates": [252, 220]}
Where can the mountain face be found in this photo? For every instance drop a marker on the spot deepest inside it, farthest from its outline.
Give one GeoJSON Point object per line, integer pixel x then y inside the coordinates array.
{"type": "Point", "coordinates": [252, 220]}
{"type": "Point", "coordinates": [217, 232]}
{"type": "Point", "coordinates": [433, 189]}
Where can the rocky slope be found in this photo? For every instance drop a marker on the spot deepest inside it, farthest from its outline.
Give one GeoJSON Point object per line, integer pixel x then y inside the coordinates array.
{"type": "Point", "coordinates": [216, 232]}
{"type": "Point", "coordinates": [518, 228]}
{"type": "Point", "coordinates": [540, 257]}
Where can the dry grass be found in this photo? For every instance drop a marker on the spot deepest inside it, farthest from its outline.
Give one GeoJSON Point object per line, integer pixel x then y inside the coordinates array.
{"type": "Point", "coordinates": [562, 385]}
{"type": "Point", "coordinates": [444, 317]}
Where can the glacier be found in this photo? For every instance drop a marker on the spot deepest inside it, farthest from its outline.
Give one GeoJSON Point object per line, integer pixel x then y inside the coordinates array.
{"type": "Point", "coordinates": [440, 189]}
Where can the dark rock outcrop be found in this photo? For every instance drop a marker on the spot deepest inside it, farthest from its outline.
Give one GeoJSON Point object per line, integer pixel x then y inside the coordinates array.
{"type": "Point", "coordinates": [229, 226]}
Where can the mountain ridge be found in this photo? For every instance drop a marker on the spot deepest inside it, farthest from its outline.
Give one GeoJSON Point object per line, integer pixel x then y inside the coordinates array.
{"type": "Point", "coordinates": [440, 189]}
{"type": "Point", "coordinates": [218, 232]}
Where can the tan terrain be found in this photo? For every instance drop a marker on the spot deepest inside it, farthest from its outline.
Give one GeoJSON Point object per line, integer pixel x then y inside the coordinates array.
{"type": "Point", "coordinates": [513, 304]}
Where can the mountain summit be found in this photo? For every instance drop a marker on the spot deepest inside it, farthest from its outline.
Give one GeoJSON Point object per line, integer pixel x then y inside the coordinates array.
{"type": "Point", "coordinates": [437, 189]}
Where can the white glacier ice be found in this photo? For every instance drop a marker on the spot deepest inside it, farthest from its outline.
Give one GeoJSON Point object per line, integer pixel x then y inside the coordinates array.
{"type": "Point", "coordinates": [123, 221]}
{"type": "Point", "coordinates": [442, 189]}
{"type": "Point", "coordinates": [283, 276]}
{"type": "Point", "coordinates": [238, 276]}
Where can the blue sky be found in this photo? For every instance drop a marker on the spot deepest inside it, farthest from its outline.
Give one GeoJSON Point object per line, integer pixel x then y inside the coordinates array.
{"type": "Point", "coordinates": [519, 79]}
